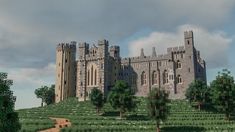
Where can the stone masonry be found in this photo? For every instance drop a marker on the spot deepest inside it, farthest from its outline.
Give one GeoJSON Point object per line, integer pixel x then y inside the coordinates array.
{"type": "Point", "coordinates": [101, 66]}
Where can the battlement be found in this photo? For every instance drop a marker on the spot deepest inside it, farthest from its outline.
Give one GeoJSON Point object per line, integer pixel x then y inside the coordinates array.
{"type": "Point", "coordinates": [188, 34]}
{"type": "Point", "coordinates": [83, 45]}
{"type": "Point", "coordinates": [175, 49]}
{"type": "Point", "coordinates": [115, 47]}
{"type": "Point", "coordinates": [103, 42]}
{"type": "Point", "coordinates": [67, 46]}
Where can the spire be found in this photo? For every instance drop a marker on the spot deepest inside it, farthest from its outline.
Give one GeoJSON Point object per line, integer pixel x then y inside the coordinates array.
{"type": "Point", "coordinates": [142, 52]}
{"type": "Point", "coordinates": [154, 54]}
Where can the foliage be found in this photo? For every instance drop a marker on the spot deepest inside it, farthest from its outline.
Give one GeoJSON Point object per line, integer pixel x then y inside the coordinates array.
{"type": "Point", "coordinates": [9, 121]}
{"type": "Point", "coordinates": [47, 94]}
{"type": "Point", "coordinates": [197, 93]}
{"type": "Point", "coordinates": [122, 98]}
{"type": "Point", "coordinates": [97, 99]}
{"type": "Point", "coordinates": [157, 105]}
{"type": "Point", "coordinates": [50, 98]}
{"type": "Point", "coordinates": [223, 91]}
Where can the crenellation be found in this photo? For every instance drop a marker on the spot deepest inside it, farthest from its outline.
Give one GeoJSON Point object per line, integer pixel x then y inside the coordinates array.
{"type": "Point", "coordinates": [188, 34]}
{"type": "Point", "coordinates": [175, 49]}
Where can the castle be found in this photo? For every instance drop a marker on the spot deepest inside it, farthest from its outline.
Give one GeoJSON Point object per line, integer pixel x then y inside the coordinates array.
{"type": "Point", "coordinates": [101, 66]}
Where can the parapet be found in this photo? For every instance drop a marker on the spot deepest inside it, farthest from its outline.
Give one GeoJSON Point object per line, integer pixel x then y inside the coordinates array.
{"type": "Point", "coordinates": [188, 34]}
{"type": "Point", "coordinates": [103, 42]}
{"type": "Point", "coordinates": [83, 45]}
{"type": "Point", "coordinates": [115, 47]}
{"type": "Point", "coordinates": [67, 46]}
{"type": "Point", "coordinates": [175, 49]}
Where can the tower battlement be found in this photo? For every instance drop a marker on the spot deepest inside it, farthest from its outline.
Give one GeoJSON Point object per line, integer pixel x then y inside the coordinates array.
{"type": "Point", "coordinates": [67, 46]}
{"type": "Point", "coordinates": [103, 42]}
{"type": "Point", "coordinates": [83, 45]}
{"type": "Point", "coordinates": [188, 34]}
{"type": "Point", "coordinates": [115, 47]}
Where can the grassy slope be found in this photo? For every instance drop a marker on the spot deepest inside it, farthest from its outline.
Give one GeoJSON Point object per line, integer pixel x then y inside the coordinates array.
{"type": "Point", "coordinates": [83, 117]}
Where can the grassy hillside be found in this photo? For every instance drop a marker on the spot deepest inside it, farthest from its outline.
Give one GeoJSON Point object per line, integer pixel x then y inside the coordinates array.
{"type": "Point", "coordinates": [83, 117]}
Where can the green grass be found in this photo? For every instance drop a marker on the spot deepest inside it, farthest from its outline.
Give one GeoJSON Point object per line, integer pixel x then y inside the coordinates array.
{"type": "Point", "coordinates": [182, 118]}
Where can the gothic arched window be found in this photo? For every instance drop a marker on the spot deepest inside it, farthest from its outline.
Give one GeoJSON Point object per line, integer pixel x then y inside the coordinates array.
{"type": "Point", "coordinates": [91, 75]}
{"type": "Point", "coordinates": [165, 77]}
{"type": "Point", "coordinates": [154, 77]}
{"type": "Point", "coordinates": [143, 78]}
{"type": "Point", "coordinates": [95, 77]}
{"type": "Point", "coordinates": [88, 77]}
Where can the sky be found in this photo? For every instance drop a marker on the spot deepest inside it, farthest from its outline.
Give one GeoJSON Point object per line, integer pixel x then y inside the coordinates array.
{"type": "Point", "coordinates": [31, 29]}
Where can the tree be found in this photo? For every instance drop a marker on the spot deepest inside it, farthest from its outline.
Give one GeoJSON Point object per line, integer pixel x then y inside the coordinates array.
{"type": "Point", "coordinates": [41, 93]}
{"type": "Point", "coordinates": [197, 93]}
{"type": "Point", "coordinates": [9, 120]}
{"type": "Point", "coordinates": [50, 95]}
{"type": "Point", "coordinates": [121, 97]}
{"type": "Point", "coordinates": [97, 99]}
{"type": "Point", "coordinates": [47, 94]}
{"type": "Point", "coordinates": [157, 105]}
{"type": "Point", "coordinates": [223, 91]}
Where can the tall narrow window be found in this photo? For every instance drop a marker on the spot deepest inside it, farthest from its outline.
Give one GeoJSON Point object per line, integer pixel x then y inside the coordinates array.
{"type": "Point", "coordinates": [91, 75]}
{"type": "Point", "coordinates": [178, 64]}
{"type": "Point", "coordinates": [179, 79]}
{"type": "Point", "coordinates": [88, 77]}
{"type": "Point", "coordinates": [95, 76]}
{"type": "Point", "coordinates": [165, 77]}
{"type": "Point", "coordinates": [182, 55]}
{"type": "Point", "coordinates": [154, 77]}
{"type": "Point", "coordinates": [143, 78]}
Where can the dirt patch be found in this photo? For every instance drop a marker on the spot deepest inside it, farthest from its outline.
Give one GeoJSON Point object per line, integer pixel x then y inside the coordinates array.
{"type": "Point", "coordinates": [60, 123]}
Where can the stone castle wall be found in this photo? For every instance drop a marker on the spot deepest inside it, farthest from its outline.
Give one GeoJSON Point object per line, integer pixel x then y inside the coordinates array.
{"type": "Point", "coordinates": [101, 66]}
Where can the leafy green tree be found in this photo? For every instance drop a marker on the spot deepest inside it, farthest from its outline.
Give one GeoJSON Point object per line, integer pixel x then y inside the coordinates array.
{"type": "Point", "coordinates": [47, 94]}
{"type": "Point", "coordinates": [50, 95]}
{"type": "Point", "coordinates": [41, 93]}
{"type": "Point", "coordinates": [223, 93]}
{"type": "Point", "coordinates": [121, 97]}
{"type": "Point", "coordinates": [97, 99]}
{"type": "Point", "coordinates": [197, 93]}
{"type": "Point", "coordinates": [9, 120]}
{"type": "Point", "coordinates": [157, 105]}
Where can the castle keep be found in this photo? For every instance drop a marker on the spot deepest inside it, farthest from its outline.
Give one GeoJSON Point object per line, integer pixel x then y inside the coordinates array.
{"type": "Point", "coordinates": [101, 66]}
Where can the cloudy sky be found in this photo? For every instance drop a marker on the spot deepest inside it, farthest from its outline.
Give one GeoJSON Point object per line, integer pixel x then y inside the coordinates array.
{"type": "Point", "coordinates": [31, 29]}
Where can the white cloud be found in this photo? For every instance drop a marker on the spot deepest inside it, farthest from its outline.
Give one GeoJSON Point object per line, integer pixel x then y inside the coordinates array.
{"type": "Point", "coordinates": [29, 27]}
{"type": "Point", "coordinates": [26, 80]}
{"type": "Point", "coordinates": [212, 44]}
{"type": "Point", "coordinates": [33, 76]}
